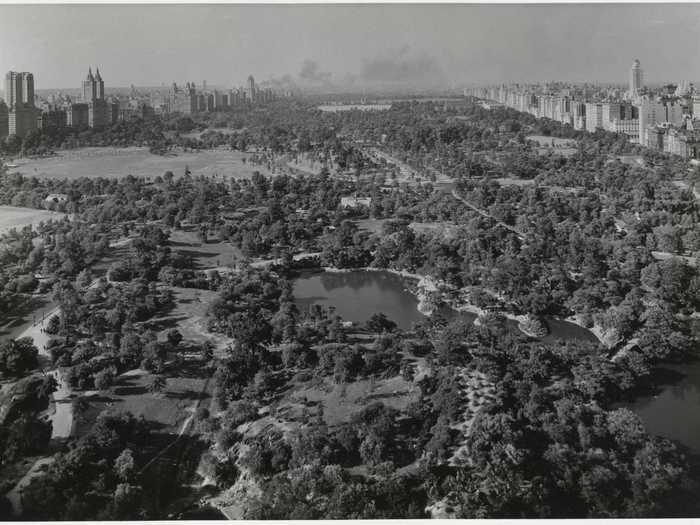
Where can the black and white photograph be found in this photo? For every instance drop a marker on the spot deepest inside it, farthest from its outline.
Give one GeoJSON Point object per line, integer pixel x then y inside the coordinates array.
{"type": "Point", "coordinates": [322, 261]}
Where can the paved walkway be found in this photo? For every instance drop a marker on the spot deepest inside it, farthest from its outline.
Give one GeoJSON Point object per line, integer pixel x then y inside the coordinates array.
{"type": "Point", "coordinates": [61, 418]}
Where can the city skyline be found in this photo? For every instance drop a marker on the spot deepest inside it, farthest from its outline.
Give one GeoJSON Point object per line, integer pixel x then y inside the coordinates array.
{"type": "Point", "coordinates": [423, 46]}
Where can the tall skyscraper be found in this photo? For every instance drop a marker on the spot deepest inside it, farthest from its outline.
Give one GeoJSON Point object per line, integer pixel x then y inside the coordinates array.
{"type": "Point", "coordinates": [99, 86]}
{"type": "Point", "coordinates": [89, 87]}
{"type": "Point", "coordinates": [93, 87]}
{"type": "Point", "coordinates": [185, 100]}
{"type": "Point", "coordinates": [636, 78]}
{"type": "Point", "coordinates": [99, 114]}
{"type": "Point", "coordinates": [251, 89]}
{"type": "Point", "coordinates": [19, 94]}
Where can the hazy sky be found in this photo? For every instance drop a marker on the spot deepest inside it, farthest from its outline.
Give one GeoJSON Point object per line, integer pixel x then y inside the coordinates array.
{"type": "Point", "coordinates": [360, 44]}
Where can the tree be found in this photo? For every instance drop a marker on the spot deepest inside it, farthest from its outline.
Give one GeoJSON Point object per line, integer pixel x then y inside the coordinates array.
{"type": "Point", "coordinates": [174, 337]}
{"type": "Point", "coordinates": [124, 465]}
{"type": "Point", "coordinates": [18, 356]}
{"type": "Point", "coordinates": [126, 500]}
{"type": "Point", "coordinates": [53, 325]}
{"type": "Point", "coordinates": [80, 407]}
{"type": "Point", "coordinates": [104, 378]}
{"type": "Point", "coordinates": [208, 352]}
{"type": "Point", "coordinates": [372, 449]}
{"type": "Point", "coordinates": [84, 279]}
{"type": "Point", "coordinates": [380, 323]}
{"type": "Point", "coordinates": [48, 386]}
{"type": "Point", "coordinates": [157, 384]}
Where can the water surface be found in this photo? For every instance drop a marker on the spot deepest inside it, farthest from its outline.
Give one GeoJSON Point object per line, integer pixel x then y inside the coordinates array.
{"type": "Point", "coordinates": [674, 412]}
{"type": "Point", "coordinates": [357, 295]}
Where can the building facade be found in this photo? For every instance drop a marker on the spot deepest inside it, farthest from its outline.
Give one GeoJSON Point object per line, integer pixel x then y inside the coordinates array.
{"type": "Point", "coordinates": [594, 117]}
{"type": "Point", "coordinates": [52, 118]}
{"type": "Point", "coordinates": [78, 116]}
{"type": "Point", "coordinates": [183, 100]}
{"type": "Point", "coordinates": [99, 114]}
{"type": "Point", "coordinates": [19, 94]}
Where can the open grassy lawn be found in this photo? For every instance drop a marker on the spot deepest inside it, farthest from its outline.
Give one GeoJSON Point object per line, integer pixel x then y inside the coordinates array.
{"type": "Point", "coordinates": [211, 254]}
{"type": "Point", "coordinates": [167, 411]}
{"type": "Point", "coordinates": [187, 385]}
{"type": "Point", "coordinates": [340, 402]}
{"type": "Point", "coordinates": [139, 162]}
{"type": "Point", "coordinates": [564, 147]}
{"type": "Point", "coordinates": [16, 217]}
{"type": "Point", "coordinates": [447, 229]}
{"type": "Point", "coordinates": [549, 141]}
{"type": "Point", "coordinates": [189, 317]}
{"type": "Point", "coordinates": [371, 225]}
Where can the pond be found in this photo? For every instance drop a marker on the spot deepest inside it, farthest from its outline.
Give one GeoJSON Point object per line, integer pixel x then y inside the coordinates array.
{"type": "Point", "coordinates": [674, 412]}
{"type": "Point", "coordinates": [356, 295]}
{"type": "Point", "coordinates": [559, 329]}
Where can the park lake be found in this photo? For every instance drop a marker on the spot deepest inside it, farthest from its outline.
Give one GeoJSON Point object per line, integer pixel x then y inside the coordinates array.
{"type": "Point", "coordinates": [355, 295]}
{"type": "Point", "coordinates": [674, 411]}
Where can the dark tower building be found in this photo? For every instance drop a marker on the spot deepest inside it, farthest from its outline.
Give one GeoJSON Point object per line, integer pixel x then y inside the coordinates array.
{"type": "Point", "coordinates": [19, 96]}
{"type": "Point", "coordinates": [99, 115]}
{"type": "Point", "coordinates": [89, 87]}
{"type": "Point", "coordinates": [100, 86]}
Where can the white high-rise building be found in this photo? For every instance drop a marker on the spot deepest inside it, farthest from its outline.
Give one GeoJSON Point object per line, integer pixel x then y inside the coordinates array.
{"type": "Point", "coordinates": [636, 78]}
{"type": "Point", "coordinates": [684, 88]}
{"type": "Point", "coordinates": [594, 116]}
{"type": "Point", "coordinates": [652, 112]}
{"type": "Point", "coordinates": [696, 106]}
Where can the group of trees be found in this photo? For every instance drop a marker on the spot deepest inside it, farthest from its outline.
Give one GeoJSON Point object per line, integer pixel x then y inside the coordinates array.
{"type": "Point", "coordinates": [96, 336]}
{"type": "Point", "coordinates": [548, 445]}
{"type": "Point", "coordinates": [23, 432]}
{"type": "Point", "coordinates": [552, 439]}
{"type": "Point", "coordinates": [97, 477]}
{"type": "Point", "coordinates": [17, 357]}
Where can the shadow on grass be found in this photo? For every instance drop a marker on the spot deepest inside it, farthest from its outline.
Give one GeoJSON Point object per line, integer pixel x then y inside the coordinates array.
{"type": "Point", "coordinates": [101, 398]}
{"type": "Point", "coordinates": [165, 323]}
{"type": "Point", "coordinates": [24, 314]}
{"type": "Point", "coordinates": [166, 480]}
{"type": "Point", "coordinates": [188, 394]}
{"type": "Point", "coordinates": [181, 243]}
{"type": "Point", "coordinates": [195, 254]}
{"type": "Point", "coordinates": [130, 391]}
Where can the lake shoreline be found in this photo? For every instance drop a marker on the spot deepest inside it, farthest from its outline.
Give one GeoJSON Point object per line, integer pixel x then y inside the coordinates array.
{"type": "Point", "coordinates": [431, 293]}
